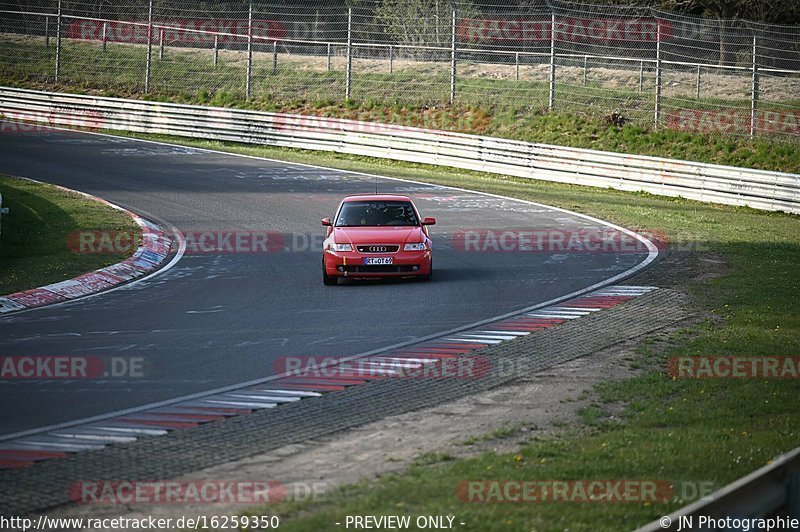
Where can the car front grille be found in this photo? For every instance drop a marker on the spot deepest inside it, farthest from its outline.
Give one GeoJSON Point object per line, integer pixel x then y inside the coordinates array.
{"type": "Point", "coordinates": [378, 248]}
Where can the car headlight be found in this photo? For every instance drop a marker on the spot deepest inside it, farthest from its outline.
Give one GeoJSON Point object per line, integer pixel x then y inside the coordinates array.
{"type": "Point", "coordinates": [340, 247]}
{"type": "Point", "coordinates": [416, 246]}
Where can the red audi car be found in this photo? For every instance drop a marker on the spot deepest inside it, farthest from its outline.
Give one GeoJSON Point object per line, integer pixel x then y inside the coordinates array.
{"type": "Point", "coordinates": [376, 235]}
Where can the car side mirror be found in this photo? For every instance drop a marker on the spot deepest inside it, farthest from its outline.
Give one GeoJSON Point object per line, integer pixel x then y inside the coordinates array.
{"type": "Point", "coordinates": [429, 221]}
{"type": "Point", "coordinates": [326, 222]}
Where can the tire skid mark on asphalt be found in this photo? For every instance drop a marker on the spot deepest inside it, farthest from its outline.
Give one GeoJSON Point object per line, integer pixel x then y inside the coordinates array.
{"type": "Point", "coordinates": [28, 450]}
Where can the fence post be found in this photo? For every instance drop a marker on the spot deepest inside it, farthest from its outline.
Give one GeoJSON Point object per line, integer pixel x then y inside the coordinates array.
{"type": "Point", "coordinates": [274, 57]}
{"type": "Point", "coordinates": [46, 31]}
{"type": "Point", "coordinates": [551, 99]}
{"type": "Point", "coordinates": [105, 35]}
{"type": "Point", "coordinates": [58, 42]}
{"type": "Point", "coordinates": [161, 44]}
{"type": "Point", "coordinates": [149, 47]}
{"type": "Point", "coordinates": [754, 97]}
{"type": "Point", "coordinates": [391, 59]}
{"type": "Point", "coordinates": [697, 83]}
{"type": "Point", "coordinates": [349, 73]}
{"type": "Point", "coordinates": [453, 53]}
{"type": "Point", "coordinates": [657, 113]}
{"type": "Point", "coordinates": [249, 72]}
{"type": "Point", "coordinates": [329, 57]}
{"type": "Point", "coordinates": [516, 64]}
{"type": "Point", "coordinates": [641, 76]}
{"type": "Point", "coordinates": [585, 68]}
{"type": "Point", "coordinates": [216, 49]}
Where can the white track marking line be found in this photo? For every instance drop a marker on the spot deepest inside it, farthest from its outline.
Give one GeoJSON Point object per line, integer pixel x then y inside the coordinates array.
{"type": "Point", "coordinates": [265, 398]}
{"type": "Point", "coordinates": [295, 392]}
{"type": "Point", "coordinates": [555, 316]}
{"type": "Point", "coordinates": [240, 404]}
{"type": "Point", "coordinates": [506, 333]}
{"type": "Point", "coordinates": [502, 337]}
{"type": "Point", "coordinates": [135, 430]}
{"type": "Point", "coordinates": [474, 341]}
{"type": "Point", "coordinates": [95, 437]}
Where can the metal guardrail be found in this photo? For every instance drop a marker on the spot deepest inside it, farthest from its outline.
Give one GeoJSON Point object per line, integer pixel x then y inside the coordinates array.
{"type": "Point", "coordinates": [770, 492]}
{"type": "Point", "coordinates": [759, 189]}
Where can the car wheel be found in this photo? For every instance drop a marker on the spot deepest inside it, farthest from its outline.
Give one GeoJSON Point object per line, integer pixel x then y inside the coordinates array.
{"type": "Point", "coordinates": [430, 274]}
{"type": "Point", "coordinates": [327, 280]}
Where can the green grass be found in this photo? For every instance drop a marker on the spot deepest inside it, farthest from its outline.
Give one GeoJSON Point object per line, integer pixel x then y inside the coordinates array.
{"type": "Point", "coordinates": [701, 433]}
{"type": "Point", "coordinates": [34, 241]}
{"type": "Point", "coordinates": [504, 432]}
{"type": "Point", "coordinates": [412, 96]}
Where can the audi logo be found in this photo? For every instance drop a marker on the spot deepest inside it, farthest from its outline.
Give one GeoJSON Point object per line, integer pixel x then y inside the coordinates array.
{"type": "Point", "coordinates": [377, 249]}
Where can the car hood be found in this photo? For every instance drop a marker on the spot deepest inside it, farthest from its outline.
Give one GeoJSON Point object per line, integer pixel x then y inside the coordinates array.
{"type": "Point", "coordinates": [378, 235]}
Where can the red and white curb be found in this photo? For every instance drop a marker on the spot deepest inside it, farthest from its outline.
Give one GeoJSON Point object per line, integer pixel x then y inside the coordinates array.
{"type": "Point", "coordinates": [155, 249]}
{"type": "Point", "coordinates": [58, 443]}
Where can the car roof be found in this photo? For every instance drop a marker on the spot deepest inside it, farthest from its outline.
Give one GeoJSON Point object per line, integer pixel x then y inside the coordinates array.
{"type": "Point", "coordinates": [376, 197]}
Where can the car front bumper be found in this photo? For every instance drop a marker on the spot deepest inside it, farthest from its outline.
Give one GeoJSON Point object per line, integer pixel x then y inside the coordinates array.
{"type": "Point", "coordinates": [351, 264]}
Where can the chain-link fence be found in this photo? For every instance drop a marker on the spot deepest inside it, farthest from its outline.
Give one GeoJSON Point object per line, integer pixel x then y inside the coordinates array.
{"type": "Point", "coordinates": [630, 63]}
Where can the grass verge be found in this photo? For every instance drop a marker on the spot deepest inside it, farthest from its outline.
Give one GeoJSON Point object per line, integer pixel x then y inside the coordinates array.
{"type": "Point", "coordinates": [35, 232]}
{"type": "Point", "coordinates": [695, 434]}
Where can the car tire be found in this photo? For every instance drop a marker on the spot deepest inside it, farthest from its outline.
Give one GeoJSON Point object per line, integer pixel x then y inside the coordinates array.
{"type": "Point", "coordinates": [430, 274]}
{"type": "Point", "coordinates": [328, 280]}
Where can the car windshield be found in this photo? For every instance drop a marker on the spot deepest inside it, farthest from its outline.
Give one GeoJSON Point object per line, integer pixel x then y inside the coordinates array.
{"type": "Point", "coordinates": [376, 214]}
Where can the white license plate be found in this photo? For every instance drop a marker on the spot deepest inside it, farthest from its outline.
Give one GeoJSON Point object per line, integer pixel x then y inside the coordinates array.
{"type": "Point", "coordinates": [377, 260]}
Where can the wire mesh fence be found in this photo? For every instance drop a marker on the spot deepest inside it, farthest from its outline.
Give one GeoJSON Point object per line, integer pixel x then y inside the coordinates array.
{"type": "Point", "coordinates": [636, 64]}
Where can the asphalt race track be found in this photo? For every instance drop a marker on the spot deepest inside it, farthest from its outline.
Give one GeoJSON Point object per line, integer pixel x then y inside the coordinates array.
{"type": "Point", "coordinates": [218, 319]}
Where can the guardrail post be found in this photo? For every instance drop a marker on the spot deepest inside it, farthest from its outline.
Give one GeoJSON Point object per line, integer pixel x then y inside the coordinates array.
{"type": "Point", "coordinates": [585, 68]}
{"type": "Point", "coordinates": [657, 112]}
{"type": "Point", "coordinates": [551, 99]}
{"type": "Point", "coordinates": [249, 70]}
{"type": "Point", "coordinates": [46, 31]}
{"type": "Point", "coordinates": [755, 91]}
{"type": "Point", "coordinates": [516, 64]}
{"type": "Point", "coordinates": [329, 57]}
{"type": "Point", "coordinates": [105, 35]}
{"type": "Point", "coordinates": [216, 50]}
{"type": "Point", "coordinates": [274, 57]}
{"type": "Point", "coordinates": [349, 73]}
{"type": "Point", "coordinates": [697, 84]}
{"type": "Point", "coordinates": [149, 47]}
{"type": "Point", "coordinates": [453, 53]}
{"type": "Point", "coordinates": [391, 59]}
{"type": "Point", "coordinates": [161, 44]}
{"type": "Point", "coordinates": [2, 210]}
{"type": "Point", "coordinates": [58, 43]}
